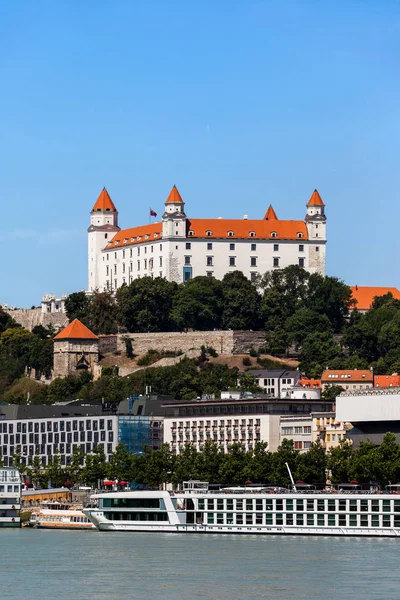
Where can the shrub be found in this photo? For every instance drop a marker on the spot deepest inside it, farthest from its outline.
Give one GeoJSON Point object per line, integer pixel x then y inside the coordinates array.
{"type": "Point", "coordinates": [246, 361]}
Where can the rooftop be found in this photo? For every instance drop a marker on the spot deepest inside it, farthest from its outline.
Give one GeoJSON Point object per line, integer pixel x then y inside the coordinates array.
{"type": "Point", "coordinates": [364, 295]}
{"type": "Point", "coordinates": [76, 331]}
{"type": "Point", "coordinates": [337, 376]}
{"type": "Point", "coordinates": [104, 202]}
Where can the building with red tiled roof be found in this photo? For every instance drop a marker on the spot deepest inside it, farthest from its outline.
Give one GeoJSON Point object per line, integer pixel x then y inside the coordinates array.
{"type": "Point", "coordinates": [310, 383]}
{"type": "Point", "coordinates": [348, 379]}
{"type": "Point", "coordinates": [179, 247]}
{"type": "Point", "coordinates": [76, 349]}
{"type": "Point", "coordinates": [385, 381]}
{"type": "Point", "coordinates": [364, 295]}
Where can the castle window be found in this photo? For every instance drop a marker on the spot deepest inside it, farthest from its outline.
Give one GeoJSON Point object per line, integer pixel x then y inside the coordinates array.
{"type": "Point", "coordinates": [132, 239]}
{"type": "Point", "coordinates": [115, 269]}
{"type": "Point", "coordinates": [115, 284]}
{"type": "Point", "coordinates": [316, 235]}
{"type": "Point", "coordinates": [138, 265]}
{"type": "Point", "coordinates": [145, 249]}
{"type": "Point", "coordinates": [253, 261]}
{"type": "Point", "coordinates": [230, 233]}
{"type": "Point", "coordinates": [125, 240]}
{"type": "Point", "coordinates": [253, 247]}
{"type": "Point", "coordinates": [232, 261]}
{"type": "Point", "coordinates": [188, 245]}
{"type": "Point", "coordinates": [231, 247]}
{"type": "Point", "coordinates": [160, 262]}
{"type": "Point", "coordinates": [253, 276]}
{"type": "Point", "coordinates": [116, 243]}
{"type": "Point", "coordinates": [316, 248]}
{"type": "Point", "coordinates": [273, 233]}
{"type": "Point", "coordinates": [139, 238]}
{"type": "Point", "coordinates": [155, 235]}
{"type": "Point", "coordinates": [208, 233]}
{"type": "Point", "coordinates": [123, 253]}
{"type": "Point", "coordinates": [107, 270]}
{"type": "Point", "coordinates": [160, 247]}
{"type": "Point", "coordinates": [106, 235]}
{"type": "Point", "coordinates": [301, 262]}
{"type": "Point", "coordinates": [108, 256]}
{"type": "Point", "coordinates": [191, 232]}
{"type": "Point", "coordinates": [138, 251]}
{"type": "Point", "coordinates": [299, 234]}
{"type": "Point", "coordinates": [130, 252]}
{"type": "Point", "coordinates": [209, 274]}
{"type": "Point", "coordinates": [187, 260]}
{"type": "Point", "coordinates": [276, 262]}
{"type": "Point", "coordinates": [146, 237]}
{"type": "Point", "coordinates": [209, 261]}
{"type": "Point", "coordinates": [145, 263]}
{"type": "Point", "coordinates": [252, 234]}
{"type": "Point", "coordinates": [276, 247]}
{"type": "Point", "coordinates": [209, 246]}
{"type": "Point", "coordinates": [301, 248]}
{"type": "Point", "coordinates": [123, 267]}
{"type": "Point", "coordinates": [115, 255]}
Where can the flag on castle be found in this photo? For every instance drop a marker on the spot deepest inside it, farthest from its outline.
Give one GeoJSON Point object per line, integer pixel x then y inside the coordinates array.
{"type": "Point", "coordinates": [153, 213]}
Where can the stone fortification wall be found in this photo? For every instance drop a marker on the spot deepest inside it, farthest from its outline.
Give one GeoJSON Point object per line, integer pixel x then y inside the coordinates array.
{"type": "Point", "coordinates": [224, 342]}
{"type": "Point", "coordinates": [30, 317]}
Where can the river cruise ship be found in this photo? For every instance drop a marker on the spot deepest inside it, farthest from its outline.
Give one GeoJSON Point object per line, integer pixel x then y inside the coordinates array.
{"type": "Point", "coordinates": [348, 511]}
{"type": "Point", "coordinates": [10, 497]}
{"type": "Point", "coordinates": [59, 515]}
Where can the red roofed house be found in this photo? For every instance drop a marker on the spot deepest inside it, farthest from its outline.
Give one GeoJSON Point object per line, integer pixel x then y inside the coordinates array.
{"type": "Point", "coordinates": [179, 248]}
{"type": "Point", "coordinates": [364, 295]}
{"type": "Point", "coordinates": [76, 349]}
{"type": "Point", "coordinates": [385, 381]}
{"type": "Point", "coordinates": [348, 379]}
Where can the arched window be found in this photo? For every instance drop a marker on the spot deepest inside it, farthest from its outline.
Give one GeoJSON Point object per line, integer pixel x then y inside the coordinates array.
{"type": "Point", "coordinates": [273, 233]}
{"type": "Point", "coordinates": [299, 234]}
{"type": "Point", "coordinates": [191, 232]}
{"type": "Point", "coordinates": [208, 233]}
{"type": "Point", "coordinates": [230, 233]}
{"type": "Point", "coordinates": [252, 234]}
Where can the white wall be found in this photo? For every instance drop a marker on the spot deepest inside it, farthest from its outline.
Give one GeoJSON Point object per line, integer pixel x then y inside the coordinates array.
{"type": "Point", "coordinates": [374, 407]}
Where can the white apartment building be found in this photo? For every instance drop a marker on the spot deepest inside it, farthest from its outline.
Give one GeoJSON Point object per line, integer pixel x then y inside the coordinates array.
{"type": "Point", "coordinates": [179, 248]}
{"type": "Point", "coordinates": [298, 429]}
{"type": "Point", "coordinates": [245, 421]}
{"type": "Point", "coordinates": [275, 382]}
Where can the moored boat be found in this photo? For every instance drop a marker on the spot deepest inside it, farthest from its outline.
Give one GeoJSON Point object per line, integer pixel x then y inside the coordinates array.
{"type": "Point", "coordinates": [10, 497]}
{"type": "Point", "coordinates": [256, 510]}
{"type": "Point", "coordinates": [58, 515]}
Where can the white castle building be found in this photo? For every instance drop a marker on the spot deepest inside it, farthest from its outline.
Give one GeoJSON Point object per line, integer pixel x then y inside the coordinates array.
{"type": "Point", "coordinates": [179, 248]}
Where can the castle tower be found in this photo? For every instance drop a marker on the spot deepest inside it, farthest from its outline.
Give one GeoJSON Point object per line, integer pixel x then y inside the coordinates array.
{"type": "Point", "coordinates": [76, 349]}
{"type": "Point", "coordinates": [103, 227]}
{"type": "Point", "coordinates": [174, 218]}
{"type": "Point", "coordinates": [316, 226]}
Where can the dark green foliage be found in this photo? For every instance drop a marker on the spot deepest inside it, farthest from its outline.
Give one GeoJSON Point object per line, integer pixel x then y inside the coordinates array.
{"type": "Point", "coordinates": [246, 361]}
{"type": "Point", "coordinates": [129, 348]}
{"type": "Point", "coordinates": [145, 305]}
{"type": "Point", "coordinates": [240, 302]}
{"type": "Point", "coordinates": [77, 306]}
{"type": "Point", "coordinates": [198, 304]}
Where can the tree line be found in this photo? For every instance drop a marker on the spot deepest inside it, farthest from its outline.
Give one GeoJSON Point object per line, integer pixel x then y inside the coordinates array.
{"type": "Point", "coordinates": [156, 467]}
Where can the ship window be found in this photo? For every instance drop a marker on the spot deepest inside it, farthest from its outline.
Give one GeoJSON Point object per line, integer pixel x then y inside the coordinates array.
{"type": "Point", "coordinates": [353, 521]}
{"type": "Point", "coordinates": [299, 519]}
{"type": "Point", "coordinates": [321, 520]}
{"type": "Point", "coordinates": [268, 519]}
{"type": "Point", "coordinates": [331, 505]}
{"type": "Point", "coordinates": [210, 518]}
{"type": "Point", "coordinates": [331, 520]}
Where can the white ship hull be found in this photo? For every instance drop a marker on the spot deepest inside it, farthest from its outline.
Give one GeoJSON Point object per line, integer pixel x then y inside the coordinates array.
{"type": "Point", "coordinates": [251, 512]}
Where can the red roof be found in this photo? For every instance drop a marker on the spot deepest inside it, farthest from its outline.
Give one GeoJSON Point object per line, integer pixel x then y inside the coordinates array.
{"type": "Point", "coordinates": [246, 229]}
{"type": "Point", "coordinates": [315, 199]}
{"type": "Point", "coordinates": [270, 214]}
{"type": "Point", "coordinates": [136, 235]}
{"type": "Point", "coordinates": [76, 331]}
{"type": "Point", "coordinates": [365, 294]}
{"type": "Point", "coordinates": [104, 202]}
{"type": "Point", "coordinates": [174, 196]}
{"type": "Point", "coordinates": [384, 381]}
{"type": "Point", "coordinates": [343, 375]}
{"type": "Point", "coordinates": [310, 383]}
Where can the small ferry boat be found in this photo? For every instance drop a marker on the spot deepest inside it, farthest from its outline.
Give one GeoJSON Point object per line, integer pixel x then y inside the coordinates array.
{"type": "Point", "coordinates": [59, 515]}
{"type": "Point", "coordinates": [345, 511]}
{"type": "Point", "coordinates": [10, 497]}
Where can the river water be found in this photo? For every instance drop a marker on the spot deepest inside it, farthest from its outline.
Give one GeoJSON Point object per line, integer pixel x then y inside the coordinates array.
{"type": "Point", "coordinates": [86, 565]}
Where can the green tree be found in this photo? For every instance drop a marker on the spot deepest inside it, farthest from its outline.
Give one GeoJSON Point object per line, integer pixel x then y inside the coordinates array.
{"type": "Point", "coordinates": [198, 304]}
{"type": "Point", "coordinates": [233, 467]}
{"type": "Point", "coordinates": [316, 352]}
{"type": "Point", "coordinates": [339, 462]}
{"type": "Point", "coordinates": [121, 466]}
{"type": "Point", "coordinates": [331, 297]}
{"type": "Point", "coordinates": [103, 313]}
{"type": "Point", "coordinates": [55, 471]}
{"type": "Point", "coordinates": [208, 462]}
{"type": "Point", "coordinates": [76, 465]}
{"type": "Point", "coordinates": [146, 304]}
{"type": "Point", "coordinates": [35, 471]}
{"type": "Point", "coordinates": [311, 465]}
{"type": "Point", "coordinates": [185, 465]}
{"type": "Point", "coordinates": [95, 468]}
{"type": "Point", "coordinates": [158, 466]}
{"type": "Point", "coordinates": [305, 322]}
{"type": "Point", "coordinates": [77, 307]}
{"type": "Point", "coordinates": [286, 453]}
{"type": "Point", "coordinates": [331, 392]}
{"type": "Point", "coordinates": [240, 302]}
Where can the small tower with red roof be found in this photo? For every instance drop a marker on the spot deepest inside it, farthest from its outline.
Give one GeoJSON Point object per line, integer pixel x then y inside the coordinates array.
{"type": "Point", "coordinates": [76, 349]}
{"type": "Point", "coordinates": [174, 217]}
{"type": "Point", "coordinates": [103, 227]}
{"type": "Point", "coordinates": [316, 226]}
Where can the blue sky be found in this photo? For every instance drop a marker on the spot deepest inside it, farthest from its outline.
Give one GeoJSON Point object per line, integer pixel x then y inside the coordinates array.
{"type": "Point", "coordinates": [239, 103]}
